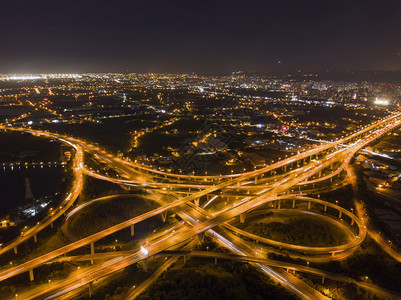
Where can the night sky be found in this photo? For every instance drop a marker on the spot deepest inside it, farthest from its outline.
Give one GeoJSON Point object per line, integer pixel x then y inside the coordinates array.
{"type": "Point", "coordinates": [199, 36]}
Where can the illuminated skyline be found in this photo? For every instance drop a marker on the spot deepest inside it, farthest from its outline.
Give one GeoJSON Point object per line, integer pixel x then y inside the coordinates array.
{"type": "Point", "coordinates": [200, 149]}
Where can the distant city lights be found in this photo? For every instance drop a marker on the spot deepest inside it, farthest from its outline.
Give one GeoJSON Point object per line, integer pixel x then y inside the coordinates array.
{"type": "Point", "coordinates": [37, 76]}
{"type": "Point", "coordinates": [383, 102]}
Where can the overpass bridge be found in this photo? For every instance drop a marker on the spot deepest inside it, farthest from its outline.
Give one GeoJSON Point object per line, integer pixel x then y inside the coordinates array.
{"type": "Point", "coordinates": [207, 221]}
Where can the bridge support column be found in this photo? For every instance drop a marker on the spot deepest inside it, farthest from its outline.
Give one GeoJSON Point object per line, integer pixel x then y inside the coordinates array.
{"type": "Point", "coordinates": [92, 245]}
{"type": "Point", "coordinates": [320, 173]}
{"type": "Point", "coordinates": [35, 238]}
{"type": "Point", "coordinates": [322, 279]}
{"type": "Point", "coordinates": [215, 260]}
{"type": "Point", "coordinates": [325, 208]}
{"type": "Point", "coordinates": [201, 237]}
{"type": "Point", "coordinates": [331, 179]}
{"type": "Point", "coordinates": [185, 259]}
{"type": "Point", "coordinates": [132, 230]}
{"type": "Point", "coordinates": [31, 277]}
{"type": "Point", "coordinates": [309, 204]}
{"type": "Point", "coordinates": [293, 203]}
{"type": "Point", "coordinates": [164, 216]}
{"type": "Point", "coordinates": [196, 202]}
{"type": "Point", "coordinates": [340, 214]}
{"type": "Point", "coordinates": [145, 264]}
{"type": "Point", "coordinates": [15, 250]}
{"type": "Point", "coordinates": [242, 217]}
{"type": "Point", "coordinates": [285, 169]}
{"type": "Point", "coordinates": [256, 180]}
{"type": "Point", "coordinates": [90, 289]}
{"type": "Point", "coordinates": [279, 204]}
{"type": "Point", "coordinates": [352, 221]}
{"type": "Point", "coordinates": [51, 224]}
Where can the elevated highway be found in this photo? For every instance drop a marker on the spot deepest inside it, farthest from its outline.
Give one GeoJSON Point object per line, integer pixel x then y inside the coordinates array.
{"type": "Point", "coordinates": [210, 221]}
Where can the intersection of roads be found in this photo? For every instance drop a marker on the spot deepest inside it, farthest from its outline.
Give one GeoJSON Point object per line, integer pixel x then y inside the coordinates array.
{"type": "Point", "coordinates": [211, 205]}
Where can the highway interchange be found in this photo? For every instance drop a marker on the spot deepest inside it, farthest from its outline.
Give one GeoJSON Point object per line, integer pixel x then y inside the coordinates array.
{"type": "Point", "coordinates": [207, 205]}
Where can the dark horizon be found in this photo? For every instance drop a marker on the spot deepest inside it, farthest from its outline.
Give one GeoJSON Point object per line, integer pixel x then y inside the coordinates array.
{"type": "Point", "coordinates": [200, 37]}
